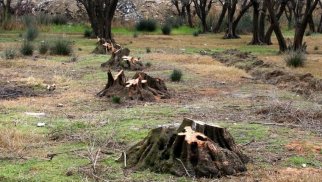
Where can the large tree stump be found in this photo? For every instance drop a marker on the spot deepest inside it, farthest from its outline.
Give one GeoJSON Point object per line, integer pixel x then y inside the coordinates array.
{"type": "Point", "coordinates": [120, 58]}
{"type": "Point", "coordinates": [194, 149]}
{"type": "Point", "coordinates": [140, 87]}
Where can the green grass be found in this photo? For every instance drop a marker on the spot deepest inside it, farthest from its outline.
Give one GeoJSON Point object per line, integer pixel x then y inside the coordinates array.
{"type": "Point", "coordinates": [298, 161]}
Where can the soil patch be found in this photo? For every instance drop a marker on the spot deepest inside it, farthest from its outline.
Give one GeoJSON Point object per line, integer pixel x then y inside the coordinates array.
{"type": "Point", "coordinates": [13, 90]}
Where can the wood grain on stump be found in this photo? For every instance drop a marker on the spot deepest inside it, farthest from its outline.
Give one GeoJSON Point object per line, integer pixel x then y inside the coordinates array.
{"type": "Point", "coordinates": [194, 149]}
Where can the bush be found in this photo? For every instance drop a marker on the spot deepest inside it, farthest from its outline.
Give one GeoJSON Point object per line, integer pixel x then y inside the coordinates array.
{"type": "Point", "coordinates": [295, 58]}
{"type": "Point", "coordinates": [166, 29]}
{"type": "Point", "coordinates": [9, 54]}
{"type": "Point", "coordinates": [31, 33]}
{"type": "Point", "coordinates": [116, 100]}
{"type": "Point", "coordinates": [43, 47]}
{"type": "Point", "coordinates": [148, 25]}
{"type": "Point", "coordinates": [88, 33]}
{"type": "Point", "coordinates": [176, 75]}
{"type": "Point", "coordinates": [26, 48]}
{"type": "Point", "coordinates": [59, 20]}
{"type": "Point", "coordinates": [61, 47]}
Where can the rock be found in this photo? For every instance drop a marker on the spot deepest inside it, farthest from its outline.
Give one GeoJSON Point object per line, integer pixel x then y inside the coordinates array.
{"type": "Point", "coordinates": [41, 124]}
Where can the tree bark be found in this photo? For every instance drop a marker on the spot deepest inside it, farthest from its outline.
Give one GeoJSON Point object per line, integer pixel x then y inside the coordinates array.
{"type": "Point", "coordinates": [276, 27]}
{"type": "Point", "coordinates": [195, 149]}
{"type": "Point", "coordinates": [256, 39]}
{"type": "Point", "coordinates": [244, 9]}
{"type": "Point", "coordinates": [221, 18]}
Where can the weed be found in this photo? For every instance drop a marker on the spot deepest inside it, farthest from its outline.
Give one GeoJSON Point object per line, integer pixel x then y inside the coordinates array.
{"type": "Point", "coordinates": [166, 29]}
{"type": "Point", "coordinates": [88, 33]}
{"type": "Point", "coordinates": [43, 47]}
{"type": "Point", "coordinates": [43, 19]}
{"type": "Point", "coordinates": [195, 33]}
{"type": "Point", "coordinates": [148, 25]}
{"type": "Point", "coordinates": [148, 64]}
{"type": "Point", "coordinates": [28, 20]}
{"type": "Point", "coordinates": [31, 33]}
{"type": "Point", "coordinates": [176, 75]}
{"type": "Point", "coordinates": [135, 35]}
{"type": "Point", "coordinates": [59, 20]}
{"type": "Point", "coordinates": [148, 50]}
{"type": "Point", "coordinates": [295, 59]}
{"type": "Point", "coordinates": [26, 48]}
{"type": "Point", "coordinates": [61, 47]}
{"type": "Point", "coordinates": [116, 99]}
{"type": "Point", "coordinates": [9, 54]}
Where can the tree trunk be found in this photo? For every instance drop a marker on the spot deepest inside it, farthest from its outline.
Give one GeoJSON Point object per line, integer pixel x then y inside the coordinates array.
{"type": "Point", "coordinates": [194, 149]}
{"type": "Point", "coordinates": [276, 27]}
{"type": "Point", "coordinates": [256, 39]}
{"type": "Point", "coordinates": [262, 20]}
{"type": "Point", "coordinates": [230, 18]}
{"type": "Point", "coordinates": [268, 35]}
{"type": "Point", "coordinates": [311, 24]}
{"type": "Point", "coordinates": [221, 18]}
{"type": "Point", "coordinates": [240, 15]}
{"type": "Point", "coordinates": [188, 8]}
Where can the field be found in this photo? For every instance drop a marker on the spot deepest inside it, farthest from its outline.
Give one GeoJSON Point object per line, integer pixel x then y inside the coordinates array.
{"type": "Point", "coordinates": [279, 129]}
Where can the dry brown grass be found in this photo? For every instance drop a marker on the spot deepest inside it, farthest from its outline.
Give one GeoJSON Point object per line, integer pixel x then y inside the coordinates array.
{"type": "Point", "coordinates": [14, 143]}
{"type": "Point", "coordinates": [204, 66]}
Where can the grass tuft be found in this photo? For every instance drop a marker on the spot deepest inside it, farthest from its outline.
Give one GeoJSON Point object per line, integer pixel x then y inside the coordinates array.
{"type": "Point", "coordinates": [26, 48]}
{"type": "Point", "coordinates": [116, 99]}
{"type": "Point", "coordinates": [176, 75]}
{"type": "Point", "coordinates": [61, 47]}
{"type": "Point", "coordinates": [166, 29]}
{"type": "Point", "coordinates": [31, 33]}
{"type": "Point", "coordinates": [9, 54]}
{"type": "Point", "coordinates": [295, 59]}
{"type": "Point", "coordinates": [43, 47]}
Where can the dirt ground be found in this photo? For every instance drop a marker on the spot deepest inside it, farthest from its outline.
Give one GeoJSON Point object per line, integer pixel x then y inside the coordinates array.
{"type": "Point", "coordinates": [279, 129]}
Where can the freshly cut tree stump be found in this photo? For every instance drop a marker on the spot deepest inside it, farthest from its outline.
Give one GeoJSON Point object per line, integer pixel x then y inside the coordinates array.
{"type": "Point", "coordinates": [120, 58]}
{"type": "Point", "coordinates": [194, 149]}
{"type": "Point", "coordinates": [140, 87]}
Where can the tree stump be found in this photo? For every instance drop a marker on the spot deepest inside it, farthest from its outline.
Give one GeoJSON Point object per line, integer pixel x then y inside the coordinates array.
{"type": "Point", "coordinates": [194, 149]}
{"type": "Point", "coordinates": [120, 58]}
{"type": "Point", "coordinates": [141, 87]}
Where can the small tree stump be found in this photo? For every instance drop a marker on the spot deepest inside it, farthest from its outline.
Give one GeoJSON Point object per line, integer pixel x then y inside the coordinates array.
{"type": "Point", "coordinates": [140, 87]}
{"type": "Point", "coordinates": [194, 149]}
{"type": "Point", "coordinates": [120, 58]}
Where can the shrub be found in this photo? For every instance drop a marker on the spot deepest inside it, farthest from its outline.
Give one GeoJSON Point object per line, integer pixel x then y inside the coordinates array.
{"type": "Point", "coordinates": [59, 20]}
{"type": "Point", "coordinates": [43, 47]}
{"type": "Point", "coordinates": [148, 25]}
{"type": "Point", "coordinates": [61, 47]}
{"type": "Point", "coordinates": [26, 48]}
{"type": "Point", "coordinates": [31, 33]}
{"type": "Point", "coordinates": [176, 75]}
{"type": "Point", "coordinates": [166, 29]}
{"type": "Point", "coordinates": [295, 58]}
{"type": "Point", "coordinates": [89, 33]}
{"type": "Point", "coordinates": [9, 54]}
{"type": "Point", "coordinates": [116, 100]}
